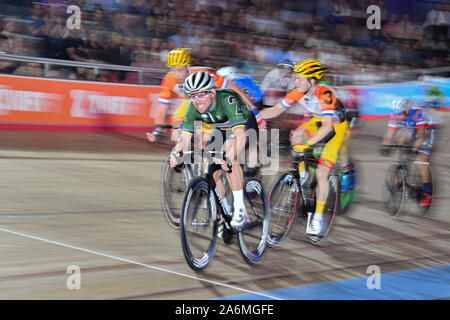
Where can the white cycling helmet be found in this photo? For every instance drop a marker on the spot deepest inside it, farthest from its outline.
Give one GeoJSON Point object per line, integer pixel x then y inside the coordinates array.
{"type": "Point", "coordinates": [229, 73]}
{"type": "Point", "coordinates": [199, 81]}
{"type": "Point", "coordinates": [400, 105]}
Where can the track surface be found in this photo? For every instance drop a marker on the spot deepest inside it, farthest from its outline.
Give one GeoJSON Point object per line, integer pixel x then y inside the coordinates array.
{"type": "Point", "coordinates": [93, 200]}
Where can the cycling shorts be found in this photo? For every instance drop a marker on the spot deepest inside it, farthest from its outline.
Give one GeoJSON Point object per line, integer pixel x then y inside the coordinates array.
{"type": "Point", "coordinates": [333, 142]}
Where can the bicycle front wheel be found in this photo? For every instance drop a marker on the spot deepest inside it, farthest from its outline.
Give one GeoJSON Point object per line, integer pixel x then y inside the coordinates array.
{"type": "Point", "coordinates": [174, 183]}
{"type": "Point", "coordinates": [198, 224]}
{"type": "Point", "coordinates": [394, 190]}
{"type": "Point", "coordinates": [283, 199]}
{"type": "Point", "coordinates": [253, 238]}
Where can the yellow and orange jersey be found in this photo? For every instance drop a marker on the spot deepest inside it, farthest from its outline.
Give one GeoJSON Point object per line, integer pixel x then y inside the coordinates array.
{"type": "Point", "coordinates": [323, 102]}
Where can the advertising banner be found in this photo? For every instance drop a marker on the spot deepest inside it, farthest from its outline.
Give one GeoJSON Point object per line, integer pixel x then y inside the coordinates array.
{"type": "Point", "coordinates": [75, 105]}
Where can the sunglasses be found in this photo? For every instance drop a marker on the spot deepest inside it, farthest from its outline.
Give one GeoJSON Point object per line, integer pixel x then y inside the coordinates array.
{"type": "Point", "coordinates": [199, 95]}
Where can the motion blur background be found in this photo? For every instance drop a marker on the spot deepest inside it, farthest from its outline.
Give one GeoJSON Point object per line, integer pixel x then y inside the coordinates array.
{"type": "Point", "coordinates": [250, 34]}
{"type": "Point", "coordinates": [92, 185]}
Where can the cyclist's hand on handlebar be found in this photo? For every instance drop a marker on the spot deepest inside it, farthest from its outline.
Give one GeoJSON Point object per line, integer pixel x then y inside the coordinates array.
{"type": "Point", "coordinates": [175, 159]}
{"type": "Point", "coordinates": [152, 136]}
{"type": "Point", "coordinates": [226, 166]}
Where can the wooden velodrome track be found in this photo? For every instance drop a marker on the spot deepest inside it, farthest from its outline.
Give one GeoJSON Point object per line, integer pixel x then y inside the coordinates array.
{"type": "Point", "coordinates": [93, 200]}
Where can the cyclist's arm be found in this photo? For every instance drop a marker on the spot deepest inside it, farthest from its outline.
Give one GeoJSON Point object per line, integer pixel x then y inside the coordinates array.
{"type": "Point", "coordinates": [164, 99]}
{"type": "Point", "coordinates": [388, 136]}
{"type": "Point", "coordinates": [184, 143]}
{"type": "Point", "coordinates": [420, 138]}
{"type": "Point", "coordinates": [272, 112]}
{"type": "Point", "coordinates": [325, 129]}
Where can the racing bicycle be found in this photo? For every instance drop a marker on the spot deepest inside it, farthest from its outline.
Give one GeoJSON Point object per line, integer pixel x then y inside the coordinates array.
{"type": "Point", "coordinates": [403, 182]}
{"type": "Point", "coordinates": [294, 195]}
{"type": "Point", "coordinates": [204, 219]}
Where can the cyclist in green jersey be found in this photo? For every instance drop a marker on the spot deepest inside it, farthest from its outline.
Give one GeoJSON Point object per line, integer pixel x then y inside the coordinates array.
{"type": "Point", "coordinates": [224, 109]}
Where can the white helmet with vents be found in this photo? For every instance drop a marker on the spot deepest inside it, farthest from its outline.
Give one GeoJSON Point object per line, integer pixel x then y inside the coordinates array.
{"type": "Point", "coordinates": [400, 105]}
{"type": "Point", "coordinates": [199, 81]}
{"type": "Point", "coordinates": [230, 73]}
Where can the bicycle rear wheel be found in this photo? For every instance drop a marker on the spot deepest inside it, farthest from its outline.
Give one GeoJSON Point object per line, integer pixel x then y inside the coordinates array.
{"type": "Point", "coordinates": [394, 191]}
{"type": "Point", "coordinates": [283, 199]}
{"type": "Point", "coordinates": [331, 207]}
{"type": "Point", "coordinates": [198, 224]}
{"type": "Point", "coordinates": [253, 237]}
{"type": "Point", "coordinates": [349, 193]}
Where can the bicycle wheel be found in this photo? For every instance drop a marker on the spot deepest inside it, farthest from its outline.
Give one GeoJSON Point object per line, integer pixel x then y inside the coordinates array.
{"type": "Point", "coordinates": [198, 224]}
{"type": "Point", "coordinates": [394, 190]}
{"type": "Point", "coordinates": [416, 186]}
{"type": "Point", "coordinates": [173, 185]}
{"type": "Point", "coordinates": [283, 199]}
{"type": "Point", "coordinates": [331, 207]}
{"type": "Point", "coordinates": [253, 237]}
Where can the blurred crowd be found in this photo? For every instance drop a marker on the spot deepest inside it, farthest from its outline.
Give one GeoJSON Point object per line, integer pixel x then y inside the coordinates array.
{"type": "Point", "coordinates": [250, 34]}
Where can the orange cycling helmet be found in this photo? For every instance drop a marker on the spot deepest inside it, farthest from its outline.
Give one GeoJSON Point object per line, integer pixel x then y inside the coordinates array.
{"type": "Point", "coordinates": [178, 57]}
{"type": "Point", "coordinates": [310, 69]}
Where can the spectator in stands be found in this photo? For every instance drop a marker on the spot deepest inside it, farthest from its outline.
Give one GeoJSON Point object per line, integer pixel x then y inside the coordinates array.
{"type": "Point", "coordinates": [30, 69]}
{"type": "Point", "coordinates": [34, 22]}
{"type": "Point", "coordinates": [393, 27]}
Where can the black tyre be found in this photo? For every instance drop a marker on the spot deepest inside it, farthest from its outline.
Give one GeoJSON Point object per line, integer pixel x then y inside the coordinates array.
{"type": "Point", "coordinates": [199, 224]}
{"type": "Point", "coordinates": [253, 237]}
{"type": "Point", "coordinates": [394, 190]}
{"type": "Point", "coordinates": [173, 186]}
{"type": "Point", "coordinates": [283, 200]}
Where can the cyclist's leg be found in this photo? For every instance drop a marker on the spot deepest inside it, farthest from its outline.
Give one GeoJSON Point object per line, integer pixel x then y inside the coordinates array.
{"type": "Point", "coordinates": [236, 181]}
{"type": "Point", "coordinates": [215, 142]}
{"type": "Point", "coordinates": [253, 147]}
{"type": "Point", "coordinates": [236, 177]}
{"type": "Point", "coordinates": [423, 157]}
{"type": "Point", "coordinates": [326, 162]}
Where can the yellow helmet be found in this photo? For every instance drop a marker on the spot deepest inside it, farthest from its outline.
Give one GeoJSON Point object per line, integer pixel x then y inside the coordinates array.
{"type": "Point", "coordinates": [178, 57]}
{"type": "Point", "coordinates": [310, 69]}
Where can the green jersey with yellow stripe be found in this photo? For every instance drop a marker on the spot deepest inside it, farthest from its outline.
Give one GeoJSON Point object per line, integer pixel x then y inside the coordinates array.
{"type": "Point", "coordinates": [229, 111]}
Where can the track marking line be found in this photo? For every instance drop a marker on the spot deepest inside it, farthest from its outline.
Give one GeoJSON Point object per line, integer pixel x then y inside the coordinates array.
{"type": "Point", "coordinates": [137, 263]}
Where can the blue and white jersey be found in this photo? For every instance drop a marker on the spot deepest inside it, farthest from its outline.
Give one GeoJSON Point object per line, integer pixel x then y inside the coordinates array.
{"type": "Point", "coordinates": [417, 118]}
{"type": "Point", "coordinates": [249, 86]}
